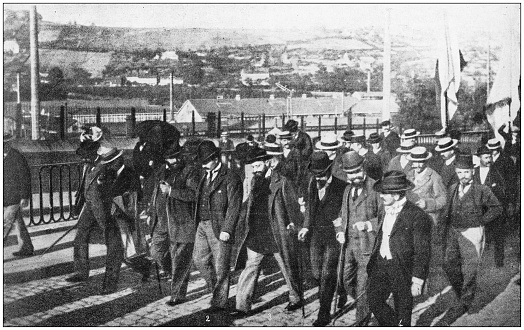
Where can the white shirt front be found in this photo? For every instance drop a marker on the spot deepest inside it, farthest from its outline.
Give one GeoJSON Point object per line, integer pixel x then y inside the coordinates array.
{"type": "Point", "coordinates": [214, 172]}
{"type": "Point", "coordinates": [449, 161]}
{"type": "Point", "coordinates": [483, 172]}
{"type": "Point", "coordinates": [387, 226]}
{"type": "Point", "coordinates": [322, 192]}
{"type": "Point", "coordinates": [403, 161]}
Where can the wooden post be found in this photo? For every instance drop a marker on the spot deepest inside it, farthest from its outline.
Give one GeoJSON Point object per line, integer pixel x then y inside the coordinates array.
{"type": "Point", "coordinates": [164, 115]}
{"type": "Point", "coordinates": [35, 74]}
{"type": "Point", "coordinates": [260, 120]}
{"type": "Point", "coordinates": [242, 123]}
{"type": "Point", "coordinates": [263, 127]}
{"type": "Point", "coordinates": [283, 119]}
{"type": "Point", "coordinates": [378, 125]}
{"type": "Point", "coordinates": [364, 127]}
{"type": "Point", "coordinates": [62, 123]}
{"type": "Point", "coordinates": [98, 117]}
{"type": "Point", "coordinates": [19, 119]}
{"type": "Point", "coordinates": [336, 119]}
{"type": "Point", "coordinates": [193, 123]}
{"type": "Point", "coordinates": [319, 125]}
{"type": "Point", "coordinates": [350, 120]}
{"type": "Point", "coordinates": [219, 124]}
{"type": "Point", "coordinates": [302, 124]}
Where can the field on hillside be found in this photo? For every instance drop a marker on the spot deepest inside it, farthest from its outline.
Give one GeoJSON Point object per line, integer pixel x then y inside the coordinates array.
{"type": "Point", "coordinates": [92, 62]}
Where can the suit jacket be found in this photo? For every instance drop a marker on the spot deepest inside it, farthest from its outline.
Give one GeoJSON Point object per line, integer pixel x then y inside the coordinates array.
{"type": "Point", "coordinates": [325, 210]}
{"type": "Point", "coordinates": [496, 182]}
{"type": "Point", "coordinates": [409, 241]}
{"type": "Point", "coordinates": [225, 200]}
{"type": "Point", "coordinates": [488, 207]}
{"type": "Point", "coordinates": [385, 157]}
{"type": "Point", "coordinates": [394, 164]}
{"type": "Point", "coordinates": [429, 188]}
{"type": "Point", "coordinates": [373, 165]}
{"type": "Point", "coordinates": [391, 142]}
{"type": "Point", "coordinates": [17, 178]}
{"type": "Point", "coordinates": [303, 143]}
{"type": "Point", "coordinates": [364, 208]}
{"type": "Point", "coordinates": [505, 166]}
{"type": "Point", "coordinates": [449, 177]}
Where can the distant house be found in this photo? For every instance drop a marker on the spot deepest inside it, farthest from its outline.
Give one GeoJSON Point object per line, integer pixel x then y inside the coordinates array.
{"type": "Point", "coordinates": [260, 76]}
{"type": "Point", "coordinates": [371, 95]}
{"type": "Point", "coordinates": [169, 55]}
{"type": "Point", "coordinates": [259, 106]}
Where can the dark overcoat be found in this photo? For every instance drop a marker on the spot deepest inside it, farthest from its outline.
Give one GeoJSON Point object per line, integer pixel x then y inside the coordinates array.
{"type": "Point", "coordinates": [17, 178]}
{"type": "Point", "coordinates": [409, 241]}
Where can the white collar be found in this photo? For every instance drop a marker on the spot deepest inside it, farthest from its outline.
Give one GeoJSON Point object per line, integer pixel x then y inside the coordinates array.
{"type": "Point", "coordinates": [120, 170]}
{"type": "Point", "coordinates": [450, 161]}
{"type": "Point", "coordinates": [396, 207]}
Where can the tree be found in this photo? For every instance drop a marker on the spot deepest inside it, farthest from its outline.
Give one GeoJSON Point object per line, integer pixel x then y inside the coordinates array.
{"type": "Point", "coordinates": [193, 73]}
{"type": "Point", "coordinates": [55, 88]}
{"type": "Point", "coordinates": [79, 76]}
{"type": "Point", "coordinates": [418, 108]}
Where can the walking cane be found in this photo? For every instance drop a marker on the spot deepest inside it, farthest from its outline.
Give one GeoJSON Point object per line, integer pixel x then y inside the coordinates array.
{"type": "Point", "coordinates": [339, 275]}
{"type": "Point", "coordinates": [59, 239]}
{"type": "Point", "coordinates": [301, 279]}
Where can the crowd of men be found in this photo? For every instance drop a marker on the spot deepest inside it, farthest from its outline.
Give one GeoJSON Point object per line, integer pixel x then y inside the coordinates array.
{"type": "Point", "coordinates": [365, 217]}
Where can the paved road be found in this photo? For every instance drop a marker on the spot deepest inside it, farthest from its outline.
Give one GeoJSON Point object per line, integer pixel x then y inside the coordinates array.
{"type": "Point", "coordinates": [36, 294]}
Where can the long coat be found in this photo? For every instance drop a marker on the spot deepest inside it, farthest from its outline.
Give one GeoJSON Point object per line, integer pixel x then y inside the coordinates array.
{"type": "Point", "coordinates": [328, 207]}
{"type": "Point", "coordinates": [225, 201]}
{"type": "Point", "coordinates": [283, 210]}
{"type": "Point", "coordinates": [409, 241]}
{"type": "Point", "coordinates": [429, 188]}
{"type": "Point", "coordinates": [496, 182]}
{"type": "Point", "coordinates": [303, 143]}
{"type": "Point", "coordinates": [17, 178]}
{"type": "Point", "coordinates": [391, 142]}
{"type": "Point", "coordinates": [449, 177]}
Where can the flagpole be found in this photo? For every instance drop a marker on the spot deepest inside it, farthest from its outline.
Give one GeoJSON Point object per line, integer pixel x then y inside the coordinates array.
{"type": "Point", "coordinates": [446, 111]}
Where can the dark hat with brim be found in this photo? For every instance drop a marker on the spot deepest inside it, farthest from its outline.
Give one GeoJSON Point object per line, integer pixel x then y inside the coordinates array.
{"type": "Point", "coordinates": [352, 162]}
{"type": "Point", "coordinates": [483, 150]}
{"type": "Point", "coordinates": [358, 139]}
{"type": "Point", "coordinates": [464, 161]}
{"type": "Point", "coordinates": [319, 163]}
{"type": "Point", "coordinates": [257, 154]}
{"type": "Point", "coordinates": [110, 156]}
{"type": "Point", "coordinates": [291, 125]}
{"type": "Point", "coordinates": [173, 151]}
{"type": "Point", "coordinates": [386, 123]}
{"type": "Point", "coordinates": [207, 150]}
{"type": "Point", "coordinates": [374, 138]}
{"type": "Point", "coordinates": [346, 137]}
{"type": "Point", "coordinates": [393, 182]}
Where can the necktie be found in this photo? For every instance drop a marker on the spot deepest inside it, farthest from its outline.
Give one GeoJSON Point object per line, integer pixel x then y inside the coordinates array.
{"type": "Point", "coordinates": [461, 191]}
{"type": "Point", "coordinates": [209, 177]}
{"type": "Point", "coordinates": [355, 193]}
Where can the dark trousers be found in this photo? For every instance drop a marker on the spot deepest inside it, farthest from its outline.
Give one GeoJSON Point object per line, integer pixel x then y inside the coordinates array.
{"type": "Point", "coordinates": [387, 277]}
{"type": "Point", "coordinates": [324, 260]}
{"type": "Point", "coordinates": [355, 276]}
{"type": "Point", "coordinates": [160, 245]}
{"type": "Point", "coordinates": [212, 258]}
{"type": "Point", "coordinates": [13, 220]}
{"type": "Point", "coordinates": [495, 232]}
{"type": "Point", "coordinates": [115, 251]}
{"type": "Point", "coordinates": [181, 258]}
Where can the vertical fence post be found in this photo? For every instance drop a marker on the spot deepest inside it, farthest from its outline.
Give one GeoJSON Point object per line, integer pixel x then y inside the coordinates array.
{"type": "Point", "coordinates": [219, 124]}
{"type": "Point", "coordinates": [302, 124]}
{"type": "Point", "coordinates": [19, 118]}
{"type": "Point", "coordinates": [283, 119]}
{"type": "Point", "coordinates": [364, 127]}
{"type": "Point", "coordinates": [319, 125]}
{"type": "Point", "coordinates": [378, 125]}
{"type": "Point", "coordinates": [62, 122]}
{"type": "Point", "coordinates": [242, 123]}
{"type": "Point", "coordinates": [336, 119]}
{"type": "Point", "coordinates": [193, 123]}
{"type": "Point", "coordinates": [263, 127]}
{"type": "Point", "coordinates": [98, 117]}
{"type": "Point", "coordinates": [260, 119]}
{"type": "Point", "coordinates": [350, 120]}
{"type": "Point", "coordinates": [164, 115]}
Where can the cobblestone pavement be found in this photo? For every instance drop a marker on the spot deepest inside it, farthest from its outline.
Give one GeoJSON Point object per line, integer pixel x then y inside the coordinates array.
{"type": "Point", "coordinates": [36, 294]}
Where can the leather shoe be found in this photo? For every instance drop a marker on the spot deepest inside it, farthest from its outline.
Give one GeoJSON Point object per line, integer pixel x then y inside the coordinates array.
{"type": "Point", "coordinates": [342, 300]}
{"type": "Point", "coordinates": [320, 323]}
{"type": "Point", "coordinates": [238, 313]}
{"type": "Point", "coordinates": [23, 253]}
{"type": "Point", "coordinates": [76, 278]}
{"type": "Point", "coordinates": [293, 307]}
{"type": "Point", "coordinates": [175, 302]}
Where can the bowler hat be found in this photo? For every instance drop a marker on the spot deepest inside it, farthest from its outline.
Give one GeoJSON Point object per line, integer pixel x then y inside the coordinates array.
{"type": "Point", "coordinates": [410, 134]}
{"type": "Point", "coordinates": [346, 137]}
{"type": "Point", "coordinates": [352, 161]}
{"type": "Point", "coordinates": [358, 139]}
{"type": "Point", "coordinates": [374, 138]}
{"type": "Point", "coordinates": [207, 150]}
{"type": "Point", "coordinates": [494, 144]}
{"type": "Point", "coordinates": [328, 142]}
{"type": "Point", "coordinates": [445, 144]}
{"type": "Point", "coordinates": [285, 135]}
{"type": "Point", "coordinates": [109, 154]}
{"type": "Point", "coordinates": [464, 161]}
{"type": "Point", "coordinates": [257, 154]}
{"type": "Point", "coordinates": [405, 147]}
{"type": "Point", "coordinates": [319, 163]}
{"type": "Point", "coordinates": [393, 182]}
{"type": "Point", "coordinates": [173, 151]}
{"type": "Point", "coordinates": [419, 154]}
{"type": "Point", "coordinates": [483, 150]}
{"type": "Point", "coordinates": [291, 125]}
{"type": "Point", "coordinates": [386, 123]}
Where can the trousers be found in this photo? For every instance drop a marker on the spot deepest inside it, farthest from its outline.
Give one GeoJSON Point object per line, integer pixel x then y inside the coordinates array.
{"type": "Point", "coordinates": [115, 251]}
{"type": "Point", "coordinates": [181, 258]}
{"type": "Point", "coordinates": [355, 276]}
{"type": "Point", "coordinates": [13, 219]}
{"type": "Point", "coordinates": [212, 258]}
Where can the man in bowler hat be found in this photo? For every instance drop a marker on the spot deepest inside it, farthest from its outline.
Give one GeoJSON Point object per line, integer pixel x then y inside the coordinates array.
{"type": "Point", "coordinates": [323, 202]}
{"type": "Point", "coordinates": [390, 138]}
{"type": "Point", "coordinates": [399, 263]}
{"type": "Point", "coordinates": [218, 202]}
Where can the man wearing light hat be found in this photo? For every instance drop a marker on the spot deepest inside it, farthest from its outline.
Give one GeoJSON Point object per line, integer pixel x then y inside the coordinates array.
{"type": "Point", "coordinates": [401, 162]}
{"type": "Point", "coordinates": [446, 148]}
{"type": "Point", "coordinates": [324, 199]}
{"type": "Point", "coordinates": [429, 192]}
{"type": "Point", "coordinates": [373, 163]}
{"type": "Point", "coordinates": [225, 143]}
{"type": "Point", "coordinates": [331, 145]}
{"type": "Point", "coordinates": [399, 263]}
{"type": "Point", "coordinates": [469, 208]}
{"type": "Point", "coordinates": [390, 138]}
{"type": "Point", "coordinates": [357, 225]}
{"type": "Point", "coordinates": [410, 136]}
{"type": "Point", "coordinates": [504, 164]}
{"type": "Point", "coordinates": [272, 217]}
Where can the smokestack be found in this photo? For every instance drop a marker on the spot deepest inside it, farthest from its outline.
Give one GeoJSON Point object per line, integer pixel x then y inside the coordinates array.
{"type": "Point", "coordinates": [35, 74]}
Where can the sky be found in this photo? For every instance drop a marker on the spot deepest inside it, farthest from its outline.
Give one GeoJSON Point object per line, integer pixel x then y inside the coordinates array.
{"type": "Point", "coordinates": [273, 16]}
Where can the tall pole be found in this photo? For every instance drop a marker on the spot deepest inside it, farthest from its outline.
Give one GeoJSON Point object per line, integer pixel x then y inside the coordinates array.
{"type": "Point", "coordinates": [489, 65]}
{"type": "Point", "coordinates": [369, 80]}
{"type": "Point", "coordinates": [386, 81]}
{"type": "Point", "coordinates": [35, 75]}
{"type": "Point", "coordinates": [18, 88]}
{"type": "Point", "coordinates": [171, 106]}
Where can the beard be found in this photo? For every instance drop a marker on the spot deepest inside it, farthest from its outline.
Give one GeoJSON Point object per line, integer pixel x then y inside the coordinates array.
{"type": "Point", "coordinates": [357, 182]}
